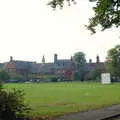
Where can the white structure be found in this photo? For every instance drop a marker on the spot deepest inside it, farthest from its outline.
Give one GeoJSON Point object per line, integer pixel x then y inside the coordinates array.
{"type": "Point", "coordinates": [105, 78]}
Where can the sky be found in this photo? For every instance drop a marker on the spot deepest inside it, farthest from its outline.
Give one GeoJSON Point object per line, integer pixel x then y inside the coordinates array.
{"type": "Point", "coordinates": [30, 29]}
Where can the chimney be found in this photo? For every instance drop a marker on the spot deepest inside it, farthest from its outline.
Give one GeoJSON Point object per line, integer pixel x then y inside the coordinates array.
{"type": "Point", "coordinates": [55, 58]}
{"type": "Point", "coordinates": [97, 59]}
{"type": "Point", "coordinates": [90, 60]}
{"type": "Point", "coordinates": [11, 58]}
{"type": "Point", "coordinates": [43, 59]}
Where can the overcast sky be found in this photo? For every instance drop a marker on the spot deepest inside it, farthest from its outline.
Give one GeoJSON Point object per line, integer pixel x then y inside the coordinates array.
{"type": "Point", "coordinates": [30, 29]}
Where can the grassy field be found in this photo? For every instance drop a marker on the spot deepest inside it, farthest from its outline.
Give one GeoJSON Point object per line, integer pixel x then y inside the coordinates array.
{"type": "Point", "coordinates": [53, 99]}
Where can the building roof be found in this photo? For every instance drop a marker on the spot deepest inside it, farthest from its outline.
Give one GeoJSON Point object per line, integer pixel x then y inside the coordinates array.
{"type": "Point", "coordinates": [21, 65]}
{"type": "Point", "coordinates": [60, 64]}
{"type": "Point", "coordinates": [64, 64]}
{"type": "Point", "coordinates": [41, 68]}
{"type": "Point", "coordinates": [98, 66]}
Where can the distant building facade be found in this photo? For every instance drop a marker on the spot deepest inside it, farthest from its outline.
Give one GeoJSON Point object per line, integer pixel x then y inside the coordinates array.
{"type": "Point", "coordinates": [25, 70]}
{"type": "Point", "coordinates": [17, 69]}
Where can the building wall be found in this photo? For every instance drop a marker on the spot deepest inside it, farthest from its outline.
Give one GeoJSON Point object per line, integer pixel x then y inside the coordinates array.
{"type": "Point", "coordinates": [60, 68]}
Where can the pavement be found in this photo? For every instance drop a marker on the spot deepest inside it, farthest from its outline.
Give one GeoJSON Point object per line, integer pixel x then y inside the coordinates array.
{"type": "Point", "coordinates": [98, 114]}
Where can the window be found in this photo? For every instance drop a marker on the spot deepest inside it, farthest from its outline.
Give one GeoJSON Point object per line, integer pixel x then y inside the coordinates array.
{"type": "Point", "coordinates": [58, 64]}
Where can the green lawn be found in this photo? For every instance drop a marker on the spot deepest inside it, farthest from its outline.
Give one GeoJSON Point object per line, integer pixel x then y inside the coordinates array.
{"type": "Point", "coordinates": [58, 98]}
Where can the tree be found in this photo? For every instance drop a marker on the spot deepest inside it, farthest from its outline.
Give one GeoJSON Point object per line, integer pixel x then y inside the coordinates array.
{"type": "Point", "coordinates": [113, 61]}
{"type": "Point", "coordinates": [107, 13]}
{"type": "Point", "coordinates": [80, 61]}
{"type": "Point", "coordinates": [79, 58]}
{"type": "Point", "coordinates": [55, 3]}
{"type": "Point", "coordinates": [4, 76]}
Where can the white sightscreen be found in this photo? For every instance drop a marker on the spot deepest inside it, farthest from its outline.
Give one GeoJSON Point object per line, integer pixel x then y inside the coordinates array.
{"type": "Point", "coordinates": [105, 78]}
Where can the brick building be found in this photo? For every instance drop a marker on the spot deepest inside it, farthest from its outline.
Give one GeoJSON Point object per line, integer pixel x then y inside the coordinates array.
{"type": "Point", "coordinates": [25, 70]}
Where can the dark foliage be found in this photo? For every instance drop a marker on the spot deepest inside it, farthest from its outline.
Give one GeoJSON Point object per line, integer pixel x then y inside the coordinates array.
{"type": "Point", "coordinates": [12, 105]}
{"type": "Point", "coordinates": [107, 13]}
{"type": "Point", "coordinates": [54, 79]}
{"type": "Point", "coordinates": [55, 3]}
{"type": "Point", "coordinates": [4, 75]}
{"type": "Point", "coordinates": [113, 61]}
{"type": "Point", "coordinates": [76, 76]}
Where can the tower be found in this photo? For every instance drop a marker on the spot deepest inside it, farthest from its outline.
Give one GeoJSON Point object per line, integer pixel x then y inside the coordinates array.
{"type": "Point", "coordinates": [55, 58]}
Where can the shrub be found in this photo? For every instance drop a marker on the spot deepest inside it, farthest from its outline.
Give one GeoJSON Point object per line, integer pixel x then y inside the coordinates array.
{"type": "Point", "coordinates": [76, 76]}
{"type": "Point", "coordinates": [96, 75]}
{"type": "Point", "coordinates": [4, 75]}
{"type": "Point", "coordinates": [12, 104]}
{"type": "Point", "coordinates": [54, 79]}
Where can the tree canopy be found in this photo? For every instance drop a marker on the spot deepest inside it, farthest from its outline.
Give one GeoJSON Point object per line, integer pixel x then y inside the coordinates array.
{"type": "Point", "coordinates": [79, 58]}
{"type": "Point", "coordinates": [113, 61]}
{"type": "Point", "coordinates": [107, 13]}
{"type": "Point", "coordinates": [55, 3]}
